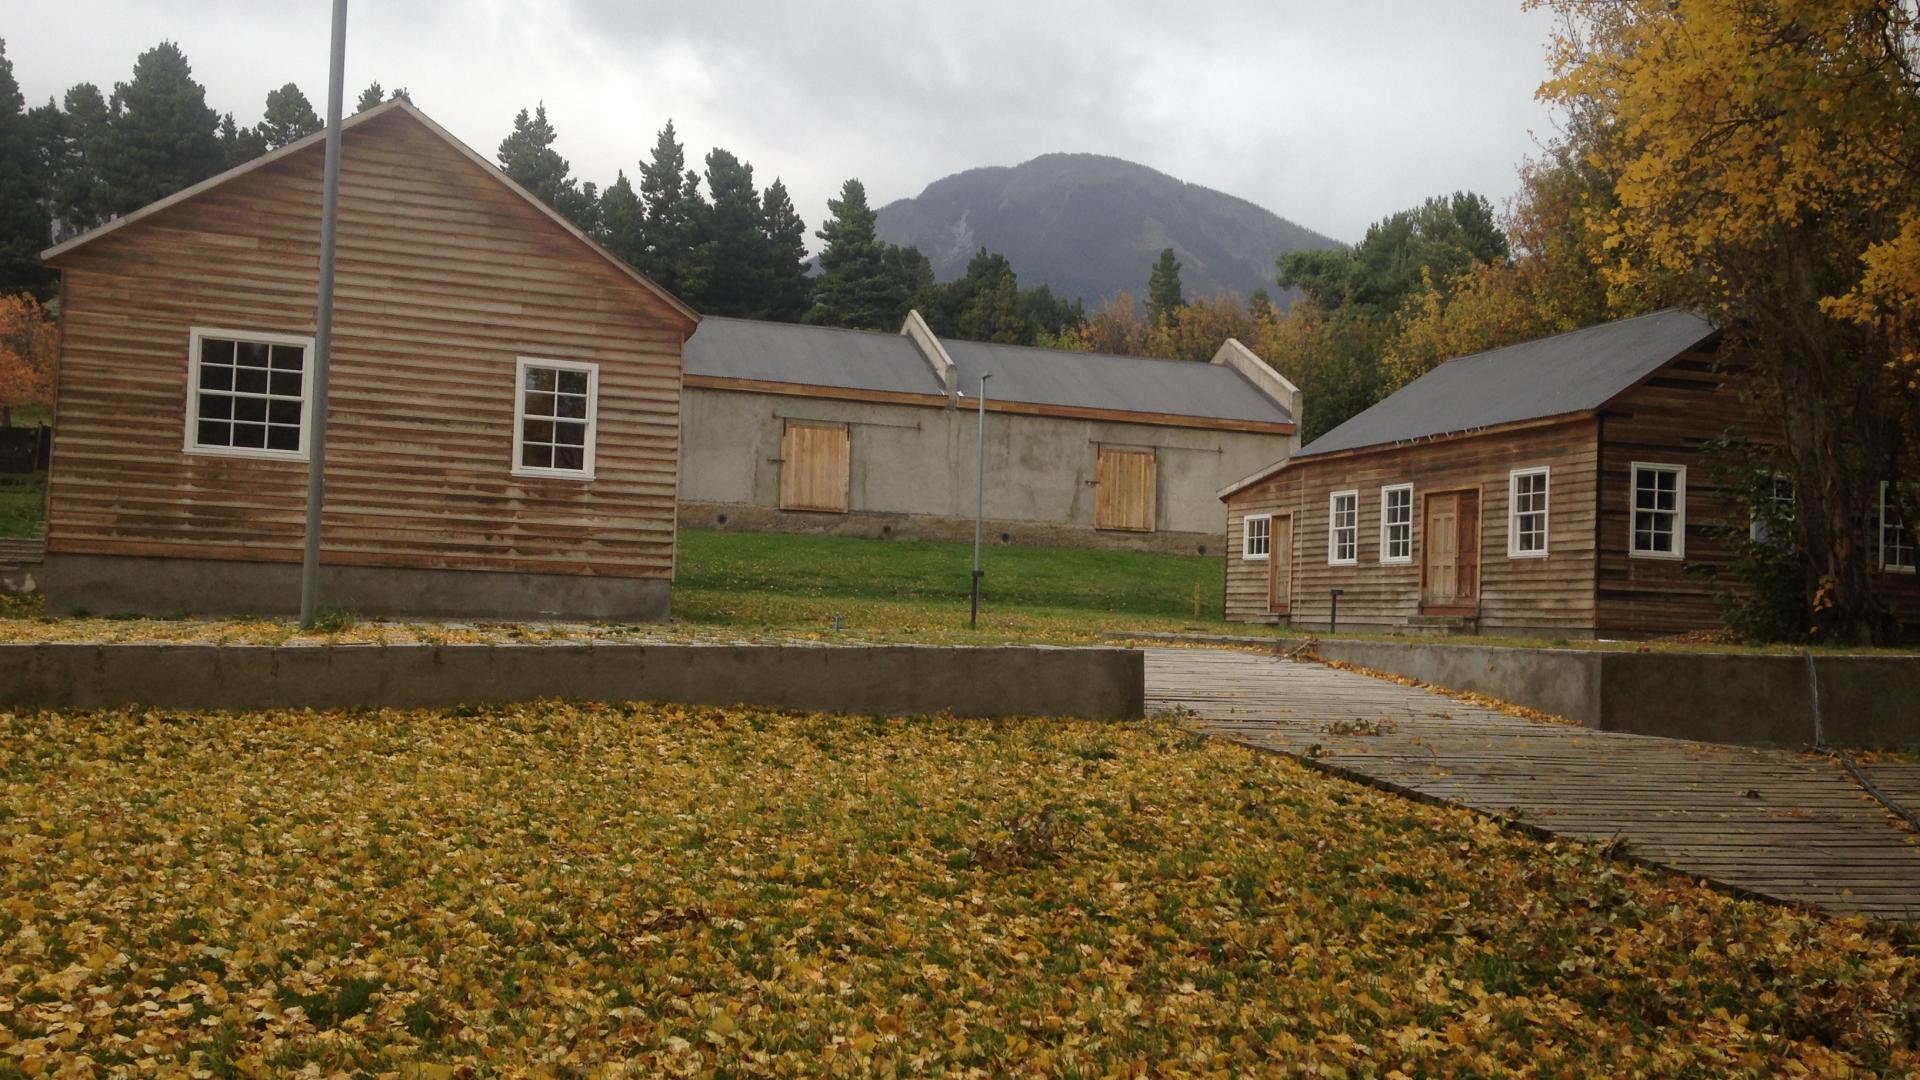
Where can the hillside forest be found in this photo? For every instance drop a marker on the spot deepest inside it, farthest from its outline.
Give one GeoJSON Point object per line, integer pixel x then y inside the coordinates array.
{"type": "Point", "coordinates": [1757, 163]}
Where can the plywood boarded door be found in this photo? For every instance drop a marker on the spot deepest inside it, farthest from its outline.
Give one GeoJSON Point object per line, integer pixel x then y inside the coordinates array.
{"type": "Point", "coordinates": [1280, 564]}
{"type": "Point", "coordinates": [1124, 489]}
{"type": "Point", "coordinates": [814, 466]}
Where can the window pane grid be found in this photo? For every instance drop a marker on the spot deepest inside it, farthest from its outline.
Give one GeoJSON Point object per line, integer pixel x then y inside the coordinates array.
{"type": "Point", "coordinates": [1345, 525]}
{"type": "Point", "coordinates": [249, 395]}
{"type": "Point", "coordinates": [1897, 543]}
{"type": "Point", "coordinates": [1259, 537]}
{"type": "Point", "coordinates": [1398, 514]}
{"type": "Point", "coordinates": [1656, 510]}
{"type": "Point", "coordinates": [555, 419]}
{"type": "Point", "coordinates": [1529, 523]}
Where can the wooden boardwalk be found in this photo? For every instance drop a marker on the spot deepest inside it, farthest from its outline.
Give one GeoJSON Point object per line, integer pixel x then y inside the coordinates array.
{"type": "Point", "coordinates": [1788, 826]}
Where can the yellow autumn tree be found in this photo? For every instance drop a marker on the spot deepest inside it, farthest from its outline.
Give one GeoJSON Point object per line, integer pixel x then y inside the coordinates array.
{"type": "Point", "coordinates": [1766, 156]}
{"type": "Point", "coordinates": [28, 343]}
{"type": "Point", "coordinates": [1486, 306]}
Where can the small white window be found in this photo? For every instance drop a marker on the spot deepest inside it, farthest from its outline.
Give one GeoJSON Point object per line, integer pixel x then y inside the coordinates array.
{"type": "Point", "coordinates": [1257, 537]}
{"type": "Point", "coordinates": [1343, 528]}
{"type": "Point", "coordinates": [1659, 511]}
{"type": "Point", "coordinates": [1897, 548]}
{"type": "Point", "coordinates": [555, 403]}
{"type": "Point", "coordinates": [1527, 513]}
{"type": "Point", "coordinates": [247, 394]}
{"type": "Point", "coordinates": [1396, 524]}
{"type": "Point", "coordinates": [1779, 512]}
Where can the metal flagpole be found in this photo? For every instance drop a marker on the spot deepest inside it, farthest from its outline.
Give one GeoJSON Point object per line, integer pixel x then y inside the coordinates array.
{"type": "Point", "coordinates": [323, 326]}
{"type": "Point", "coordinates": [979, 503]}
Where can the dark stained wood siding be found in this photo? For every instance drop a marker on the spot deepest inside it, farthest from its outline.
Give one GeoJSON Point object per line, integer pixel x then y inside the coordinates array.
{"type": "Point", "coordinates": [445, 278]}
{"type": "Point", "coordinates": [1552, 594]}
{"type": "Point", "coordinates": [1669, 420]}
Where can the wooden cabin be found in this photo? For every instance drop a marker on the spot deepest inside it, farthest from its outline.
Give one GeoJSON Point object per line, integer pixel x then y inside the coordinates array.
{"type": "Point", "coordinates": [503, 425]}
{"type": "Point", "coordinates": [856, 433]}
{"type": "Point", "coordinates": [1560, 488]}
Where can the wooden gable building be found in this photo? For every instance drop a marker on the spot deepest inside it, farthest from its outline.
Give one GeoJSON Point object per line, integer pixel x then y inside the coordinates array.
{"type": "Point", "coordinates": [504, 419]}
{"type": "Point", "coordinates": [1562, 487]}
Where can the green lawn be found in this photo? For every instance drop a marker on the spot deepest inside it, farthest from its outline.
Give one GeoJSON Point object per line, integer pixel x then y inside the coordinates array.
{"type": "Point", "coordinates": [22, 502]}
{"type": "Point", "coordinates": [918, 589]}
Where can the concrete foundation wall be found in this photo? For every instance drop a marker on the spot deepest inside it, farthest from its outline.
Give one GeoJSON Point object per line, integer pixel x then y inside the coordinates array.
{"type": "Point", "coordinates": [122, 585]}
{"type": "Point", "coordinates": [1753, 700]}
{"type": "Point", "coordinates": [1089, 683]}
{"type": "Point", "coordinates": [920, 460]}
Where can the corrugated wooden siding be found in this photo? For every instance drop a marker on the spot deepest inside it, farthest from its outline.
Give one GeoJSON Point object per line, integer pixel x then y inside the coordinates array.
{"type": "Point", "coordinates": [814, 467]}
{"type": "Point", "coordinates": [445, 277]}
{"type": "Point", "coordinates": [1551, 593]}
{"type": "Point", "coordinates": [1125, 485]}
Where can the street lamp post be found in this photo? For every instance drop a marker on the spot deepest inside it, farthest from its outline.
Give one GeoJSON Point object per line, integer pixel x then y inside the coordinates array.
{"type": "Point", "coordinates": [979, 504]}
{"type": "Point", "coordinates": [323, 326]}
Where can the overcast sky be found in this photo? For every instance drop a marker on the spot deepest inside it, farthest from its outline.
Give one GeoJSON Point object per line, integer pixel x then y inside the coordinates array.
{"type": "Point", "coordinates": [1331, 114]}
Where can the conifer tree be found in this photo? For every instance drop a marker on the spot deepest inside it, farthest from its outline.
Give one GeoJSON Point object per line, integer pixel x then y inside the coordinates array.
{"type": "Point", "coordinates": [729, 271]}
{"type": "Point", "coordinates": [528, 157]}
{"type": "Point", "coordinates": [622, 221]}
{"type": "Point", "coordinates": [72, 140]}
{"type": "Point", "coordinates": [370, 97]}
{"type": "Point", "coordinates": [239, 145]}
{"type": "Point", "coordinates": [858, 287]}
{"type": "Point", "coordinates": [789, 288]}
{"type": "Point", "coordinates": [24, 224]}
{"type": "Point", "coordinates": [163, 134]}
{"type": "Point", "coordinates": [673, 205]}
{"type": "Point", "coordinates": [1163, 287]}
{"type": "Point", "coordinates": [289, 117]}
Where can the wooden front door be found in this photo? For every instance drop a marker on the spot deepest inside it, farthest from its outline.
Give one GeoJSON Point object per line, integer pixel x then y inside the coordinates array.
{"type": "Point", "coordinates": [1280, 564]}
{"type": "Point", "coordinates": [1124, 486]}
{"type": "Point", "coordinates": [1450, 565]}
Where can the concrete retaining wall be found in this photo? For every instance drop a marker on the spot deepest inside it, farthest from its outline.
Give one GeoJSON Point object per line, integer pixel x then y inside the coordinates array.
{"type": "Point", "coordinates": [1719, 697]}
{"type": "Point", "coordinates": [1089, 683]}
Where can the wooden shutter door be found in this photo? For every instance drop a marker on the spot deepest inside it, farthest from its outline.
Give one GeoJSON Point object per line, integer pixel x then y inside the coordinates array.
{"type": "Point", "coordinates": [1280, 564]}
{"type": "Point", "coordinates": [814, 467]}
{"type": "Point", "coordinates": [1469, 546]}
{"type": "Point", "coordinates": [1125, 482]}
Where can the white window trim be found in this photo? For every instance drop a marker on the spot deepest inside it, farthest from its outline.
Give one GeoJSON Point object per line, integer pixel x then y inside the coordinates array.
{"type": "Point", "coordinates": [1513, 512]}
{"type": "Point", "coordinates": [1880, 531]}
{"type": "Point", "coordinates": [519, 415]}
{"type": "Point", "coordinates": [1246, 537]}
{"type": "Point", "coordinates": [1755, 531]}
{"type": "Point", "coordinates": [1333, 534]}
{"type": "Point", "coordinates": [188, 437]}
{"type": "Point", "coordinates": [1679, 511]}
{"type": "Point", "coordinates": [1396, 560]}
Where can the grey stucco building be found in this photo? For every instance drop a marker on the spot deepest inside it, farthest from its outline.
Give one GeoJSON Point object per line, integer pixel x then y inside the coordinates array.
{"type": "Point", "coordinates": [814, 429]}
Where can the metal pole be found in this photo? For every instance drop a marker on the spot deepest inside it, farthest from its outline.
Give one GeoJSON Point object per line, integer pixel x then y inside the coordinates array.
{"type": "Point", "coordinates": [323, 326]}
{"type": "Point", "coordinates": [979, 504]}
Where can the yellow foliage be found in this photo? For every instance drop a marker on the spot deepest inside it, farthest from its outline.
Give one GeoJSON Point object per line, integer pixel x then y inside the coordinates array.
{"type": "Point", "coordinates": [563, 889]}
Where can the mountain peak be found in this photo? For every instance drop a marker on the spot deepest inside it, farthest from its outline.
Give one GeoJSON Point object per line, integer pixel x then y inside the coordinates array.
{"type": "Point", "coordinates": [1091, 225]}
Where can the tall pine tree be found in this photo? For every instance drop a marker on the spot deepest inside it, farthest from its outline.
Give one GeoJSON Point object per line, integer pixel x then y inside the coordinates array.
{"type": "Point", "coordinates": [1163, 287]}
{"type": "Point", "coordinates": [163, 134]}
{"type": "Point", "coordinates": [789, 287]}
{"type": "Point", "coordinates": [674, 209]}
{"type": "Point", "coordinates": [24, 224]}
{"type": "Point", "coordinates": [239, 145]}
{"type": "Point", "coordinates": [289, 117]}
{"type": "Point", "coordinates": [622, 221]}
{"type": "Point", "coordinates": [861, 284]}
{"type": "Point", "coordinates": [527, 155]}
{"type": "Point", "coordinates": [72, 141]}
{"type": "Point", "coordinates": [369, 97]}
{"type": "Point", "coordinates": [728, 274]}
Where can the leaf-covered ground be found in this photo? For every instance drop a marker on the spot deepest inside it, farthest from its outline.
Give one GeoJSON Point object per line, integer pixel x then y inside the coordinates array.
{"type": "Point", "coordinates": [555, 888]}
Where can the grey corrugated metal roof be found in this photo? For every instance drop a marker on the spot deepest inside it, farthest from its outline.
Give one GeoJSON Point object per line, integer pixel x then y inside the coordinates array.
{"type": "Point", "coordinates": [1573, 372]}
{"type": "Point", "coordinates": [1098, 381]}
{"type": "Point", "coordinates": [809, 355]}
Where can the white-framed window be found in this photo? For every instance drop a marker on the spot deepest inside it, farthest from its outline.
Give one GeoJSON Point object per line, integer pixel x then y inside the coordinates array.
{"type": "Point", "coordinates": [1780, 496]}
{"type": "Point", "coordinates": [555, 405]}
{"type": "Point", "coordinates": [1343, 528]}
{"type": "Point", "coordinates": [1897, 548]}
{"type": "Point", "coordinates": [1659, 511]}
{"type": "Point", "coordinates": [1527, 513]}
{"type": "Point", "coordinates": [247, 393]}
{"type": "Point", "coordinates": [1256, 537]}
{"type": "Point", "coordinates": [1396, 524]}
